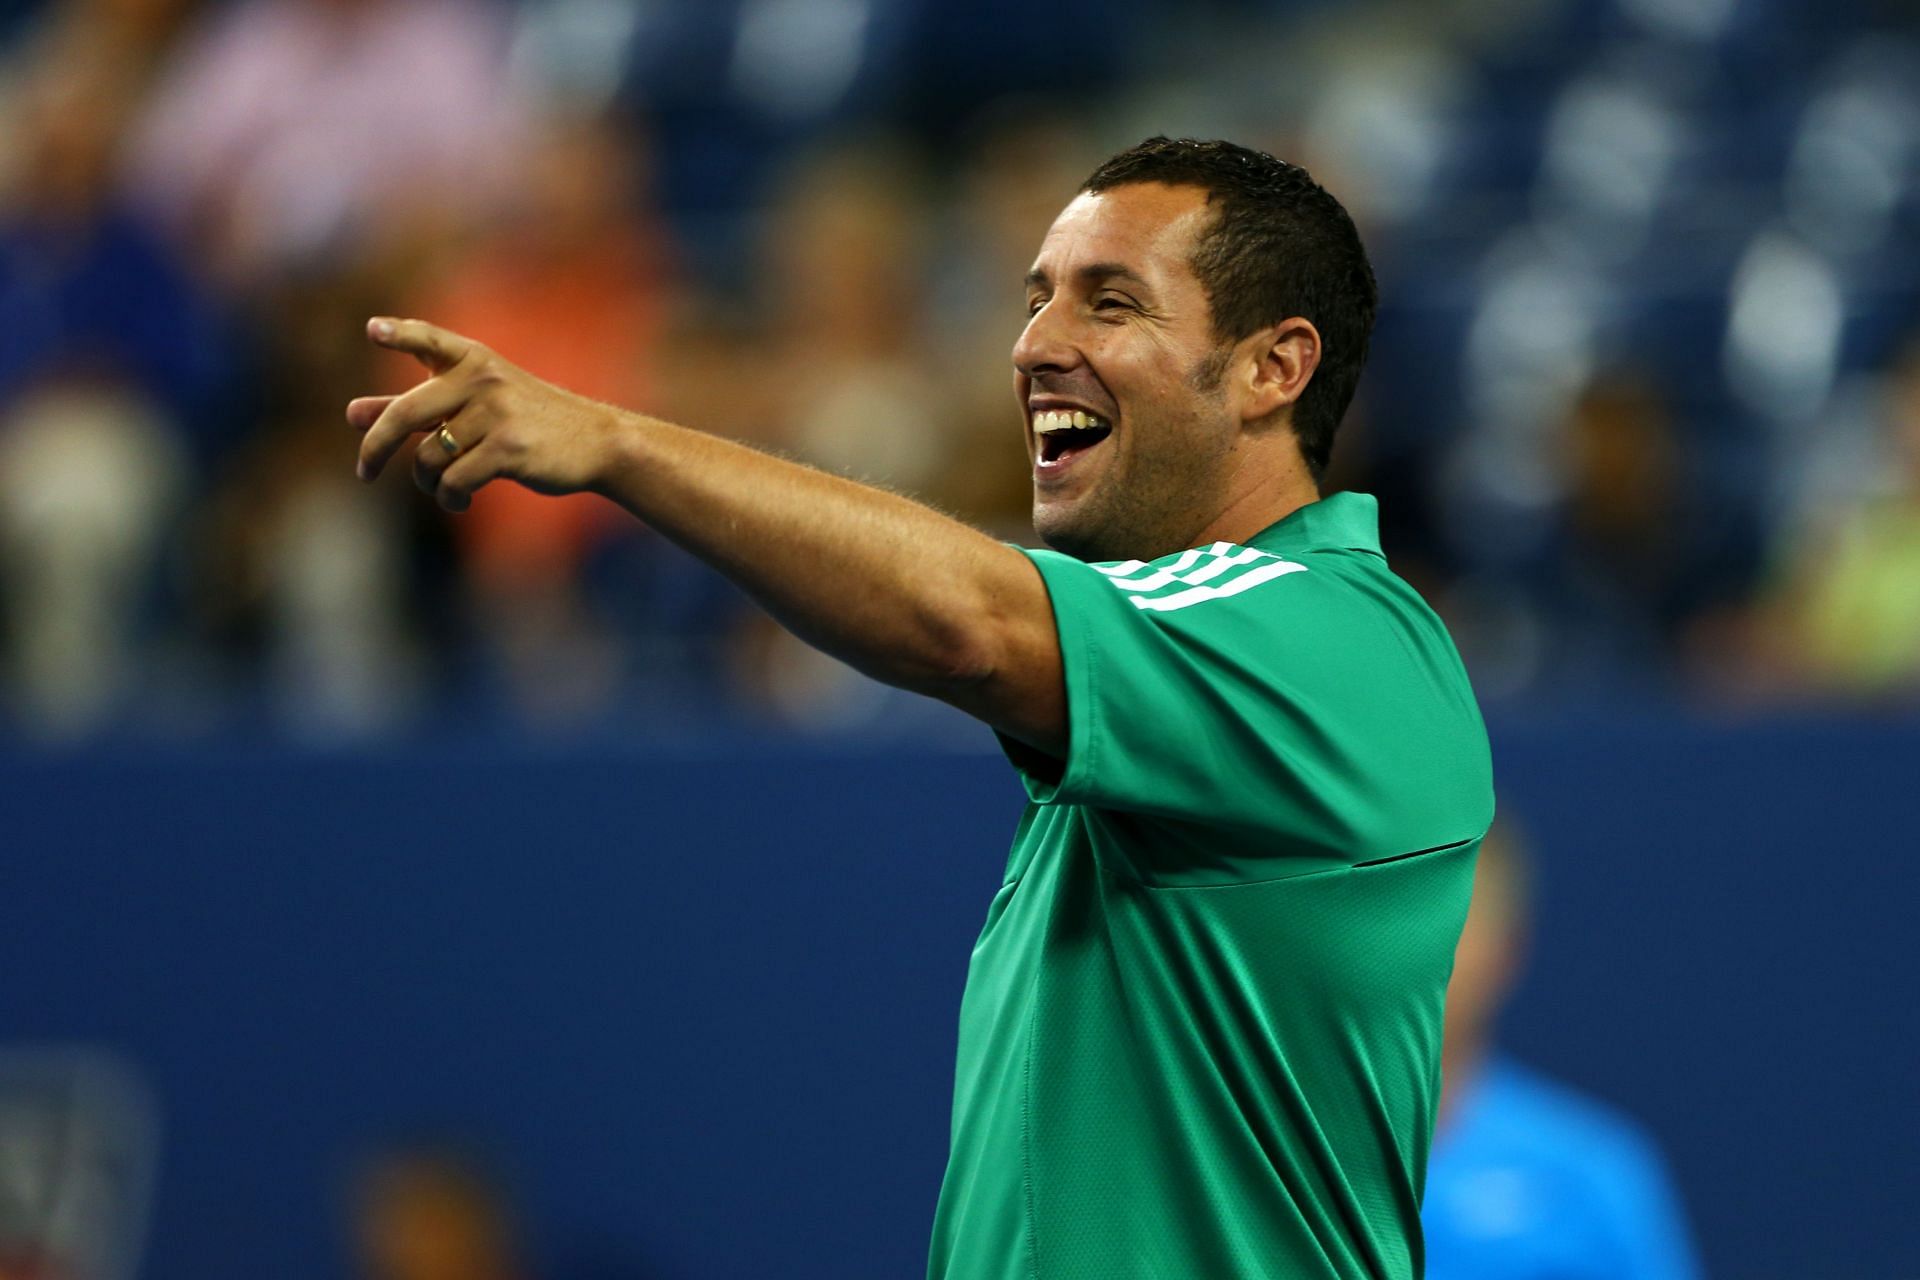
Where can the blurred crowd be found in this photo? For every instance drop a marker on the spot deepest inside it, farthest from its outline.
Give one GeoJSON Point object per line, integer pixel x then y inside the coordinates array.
{"type": "Point", "coordinates": [1643, 410]}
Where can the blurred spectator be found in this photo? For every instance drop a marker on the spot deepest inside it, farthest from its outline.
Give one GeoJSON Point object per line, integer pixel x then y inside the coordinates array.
{"type": "Point", "coordinates": [130, 34]}
{"type": "Point", "coordinates": [1529, 1180]}
{"type": "Point", "coordinates": [78, 1135]}
{"type": "Point", "coordinates": [841, 265]}
{"type": "Point", "coordinates": [289, 134]}
{"type": "Point", "coordinates": [569, 285]}
{"type": "Point", "coordinates": [423, 1213]}
{"type": "Point", "coordinates": [110, 355]}
{"type": "Point", "coordinates": [1593, 598]}
{"type": "Point", "coordinates": [841, 257]}
{"type": "Point", "coordinates": [305, 573]}
{"type": "Point", "coordinates": [1842, 617]}
{"type": "Point", "coordinates": [87, 288]}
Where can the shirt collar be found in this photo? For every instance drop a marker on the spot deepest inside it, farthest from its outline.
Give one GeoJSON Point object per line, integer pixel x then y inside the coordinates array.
{"type": "Point", "coordinates": [1337, 522]}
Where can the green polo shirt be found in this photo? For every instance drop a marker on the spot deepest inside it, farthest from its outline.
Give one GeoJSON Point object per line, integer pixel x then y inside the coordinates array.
{"type": "Point", "coordinates": [1201, 1032]}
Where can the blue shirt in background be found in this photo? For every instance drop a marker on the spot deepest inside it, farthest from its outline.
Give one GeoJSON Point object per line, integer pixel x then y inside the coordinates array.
{"type": "Point", "coordinates": [1529, 1180]}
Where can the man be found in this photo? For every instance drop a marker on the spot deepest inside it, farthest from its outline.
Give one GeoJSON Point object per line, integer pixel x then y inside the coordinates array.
{"type": "Point", "coordinates": [1201, 1031]}
{"type": "Point", "coordinates": [1531, 1180]}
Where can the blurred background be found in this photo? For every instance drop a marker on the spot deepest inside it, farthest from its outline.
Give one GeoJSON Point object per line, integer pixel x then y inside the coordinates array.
{"type": "Point", "coordinates": [432, 898]}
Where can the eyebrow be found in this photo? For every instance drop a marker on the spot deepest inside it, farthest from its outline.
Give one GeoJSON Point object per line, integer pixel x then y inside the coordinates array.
{"type": "Point", "coordinates": [1092, 273]}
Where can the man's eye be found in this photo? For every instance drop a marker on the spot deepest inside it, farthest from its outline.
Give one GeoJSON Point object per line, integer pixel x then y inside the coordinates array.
{"type": "Point", "coordinates": [1109, 304]}
{"type": "Point", "coordinates": [1034, 305]}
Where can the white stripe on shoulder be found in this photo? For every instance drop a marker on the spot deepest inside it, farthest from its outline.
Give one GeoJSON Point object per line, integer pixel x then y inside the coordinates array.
{"type": "Point", "coordinates": [1232, 587]}
{"type": "Point", "coordinates": [1159, 577]}
{"type": "Point", "coordinates": [1222, 562]}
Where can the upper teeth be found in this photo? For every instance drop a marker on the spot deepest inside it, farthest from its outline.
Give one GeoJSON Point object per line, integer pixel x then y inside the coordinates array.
{"type": "Point", "coordinates": [1064, 420]}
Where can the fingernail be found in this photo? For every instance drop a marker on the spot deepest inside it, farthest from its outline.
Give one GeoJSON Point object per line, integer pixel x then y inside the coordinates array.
{"type": "Point", "coordinates": [360, 469]}
{"type": "Point", "coordinates": [383, 328]}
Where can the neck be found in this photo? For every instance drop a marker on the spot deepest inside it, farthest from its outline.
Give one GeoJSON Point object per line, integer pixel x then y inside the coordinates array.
{"type": "Point", "coordinates": [1262, 492]}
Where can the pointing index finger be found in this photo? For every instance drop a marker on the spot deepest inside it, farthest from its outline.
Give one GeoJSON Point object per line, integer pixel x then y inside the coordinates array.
{"type": "Point", "coordinates": [436, 348]}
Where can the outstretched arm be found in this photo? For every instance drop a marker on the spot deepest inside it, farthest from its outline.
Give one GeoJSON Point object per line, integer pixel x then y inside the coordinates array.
{"type": "Point", "coordinates": [894, 588]}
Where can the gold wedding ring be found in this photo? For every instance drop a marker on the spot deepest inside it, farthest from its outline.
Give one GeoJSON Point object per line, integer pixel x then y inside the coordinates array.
{"type": "Point", "coordinates": [447, 442]}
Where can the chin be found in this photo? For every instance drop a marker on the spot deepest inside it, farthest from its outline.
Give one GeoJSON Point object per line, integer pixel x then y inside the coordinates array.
{"type": "Point", "coordinates": [1056, 529]}
{"type": "Point", "coordinates": [1068, 531]}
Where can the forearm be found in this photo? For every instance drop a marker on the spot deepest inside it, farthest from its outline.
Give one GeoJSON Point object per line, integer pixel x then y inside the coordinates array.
{"type": "Point", "coordinates": [896, 589]}
{"type": "Point", "coordinates": [908, 595]}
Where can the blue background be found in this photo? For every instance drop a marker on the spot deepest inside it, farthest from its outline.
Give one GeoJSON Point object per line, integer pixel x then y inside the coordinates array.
{"type": "Point", "coordinates": [702, 998]}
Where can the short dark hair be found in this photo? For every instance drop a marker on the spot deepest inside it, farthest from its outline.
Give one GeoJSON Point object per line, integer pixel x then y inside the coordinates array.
{"type": "Point", "coordinates": [1281, 246]}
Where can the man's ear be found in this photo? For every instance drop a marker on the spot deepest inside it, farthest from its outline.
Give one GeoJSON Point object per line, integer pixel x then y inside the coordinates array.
{"type": "Point", "coordinates": [1283, 358]}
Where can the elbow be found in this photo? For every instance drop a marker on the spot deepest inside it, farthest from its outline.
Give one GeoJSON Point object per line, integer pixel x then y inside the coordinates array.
{"type": "Point", "coordinates": [995, 654]}
{"type": "Point", "coordinates": [1010, 681]}
{"type": "Point", "coordinates": [965, 657]}
{"type": "Point", "coordinates": [963, 644]}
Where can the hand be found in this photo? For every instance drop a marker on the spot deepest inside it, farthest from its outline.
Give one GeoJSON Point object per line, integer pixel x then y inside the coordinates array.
{"type": "Point", "coordinates": [488, 419]}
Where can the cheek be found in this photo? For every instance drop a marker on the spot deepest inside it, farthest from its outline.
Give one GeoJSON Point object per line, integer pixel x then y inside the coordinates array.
{"type": "Point", "coordinates": [1177, 434]}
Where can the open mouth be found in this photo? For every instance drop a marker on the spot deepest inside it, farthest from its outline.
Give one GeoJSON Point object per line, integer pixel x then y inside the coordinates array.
{"type": "Point", "coordinates": [1062, 433]}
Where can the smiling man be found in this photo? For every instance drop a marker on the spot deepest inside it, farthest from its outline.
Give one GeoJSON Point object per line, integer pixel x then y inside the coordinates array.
{"type": "Point", "coordinates": [1201, 1031]}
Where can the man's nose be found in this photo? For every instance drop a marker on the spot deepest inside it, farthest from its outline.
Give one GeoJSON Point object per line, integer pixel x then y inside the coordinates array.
{"type": "Point", "coordinates": [1046, 344]}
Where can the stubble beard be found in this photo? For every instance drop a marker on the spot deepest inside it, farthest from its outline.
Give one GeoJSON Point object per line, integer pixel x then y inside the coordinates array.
{"type": "Point", "coordinates": [1158, 498]}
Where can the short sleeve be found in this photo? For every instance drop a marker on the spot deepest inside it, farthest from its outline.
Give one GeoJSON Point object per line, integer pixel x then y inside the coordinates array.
{"type": "Point", "coordinates": [1236, 687]}
{"type": "Point", "coordinates": [1173, 699]}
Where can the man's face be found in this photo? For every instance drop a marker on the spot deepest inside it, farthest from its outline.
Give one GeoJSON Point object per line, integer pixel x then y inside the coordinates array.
{"type": "Point", "coordinates": [1119, 330]}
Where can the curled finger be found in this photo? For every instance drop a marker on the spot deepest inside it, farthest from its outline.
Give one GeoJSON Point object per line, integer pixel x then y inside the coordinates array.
{"type": "Point", "coordinates": [426, 406]}
{"type": "Point", "coordinates": [437, 451]}
{"type": "Point", "coordinates": [462, 478]}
